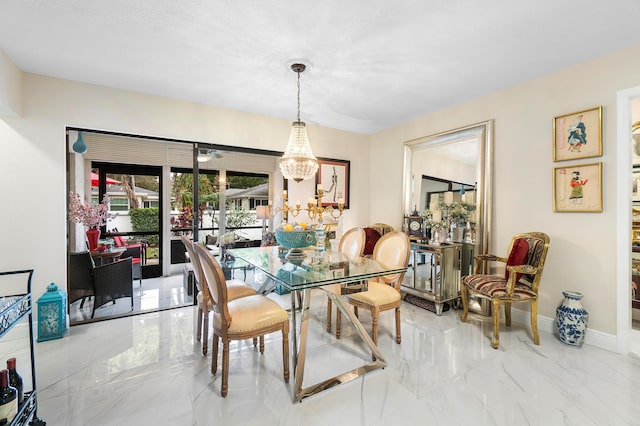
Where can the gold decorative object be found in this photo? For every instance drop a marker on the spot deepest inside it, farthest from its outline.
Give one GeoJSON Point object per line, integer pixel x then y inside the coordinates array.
{"type": "Point", "coordinates": [314, 211]}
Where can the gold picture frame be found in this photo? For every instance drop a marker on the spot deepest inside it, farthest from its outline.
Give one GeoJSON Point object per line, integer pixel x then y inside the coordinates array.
{"type": "Point", "coordinates": [578, 188]}
{"type": "Point", "coordinates": [578, 135]}
{"type": "Point", "coordinates": [635, 236]}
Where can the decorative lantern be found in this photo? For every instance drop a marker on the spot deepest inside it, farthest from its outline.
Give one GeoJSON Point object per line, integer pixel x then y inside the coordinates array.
{"type": "Point", "coordinates": [52, 318]}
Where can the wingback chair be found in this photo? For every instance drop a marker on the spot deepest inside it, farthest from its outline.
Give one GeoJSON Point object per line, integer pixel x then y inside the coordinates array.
{"type": "Point", "coordinates": [242, 318]}
{"type": "Point", "coordinates": [392, 249]}
{"type": "Point", "coordinates": [352, 245]}
{"type": "Point", "coordinates": [235, 289]}
{"type": "Point", "coordinates": [520, 283]}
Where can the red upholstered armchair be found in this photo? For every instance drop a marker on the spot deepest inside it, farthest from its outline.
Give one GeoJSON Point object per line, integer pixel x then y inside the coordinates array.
{"type": "Point", "coordinates": [520, 282]}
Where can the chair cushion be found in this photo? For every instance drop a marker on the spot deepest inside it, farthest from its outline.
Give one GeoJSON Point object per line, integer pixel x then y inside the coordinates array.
{"type": "Point", "coordinates": [135, 260]}
{"type": "Point", "coordinates": [235, 290]}
{"type": "Point", "coordinates": [371, 238]}
{"type": "Point", "coordinates": [517, 256]}
{"type": "Point", "coordinates": [253, 313]}
{"type": "Point", "coordinates": [238, 288]}
{"type": "Point", "coordinates": [377, 294]}
{"type": "Point", "coordinates": [495, 286]}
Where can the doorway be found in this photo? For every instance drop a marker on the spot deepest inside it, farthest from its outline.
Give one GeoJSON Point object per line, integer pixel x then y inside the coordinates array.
{"type": "Point", "coordinates": [135, 206]}
{"type": "Point", "coordinates": [628, 106]}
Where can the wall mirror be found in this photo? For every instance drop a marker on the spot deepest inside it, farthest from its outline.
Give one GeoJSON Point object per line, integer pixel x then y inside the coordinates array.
{"type": "Point", "coordinates": [460, 155]}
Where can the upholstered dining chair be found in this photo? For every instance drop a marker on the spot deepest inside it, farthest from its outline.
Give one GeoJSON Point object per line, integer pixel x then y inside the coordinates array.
{"type": "Point", "coordinates": [352, 245]}
{"type": "Point", "coordinates": [520, 283]}
{"type": "Point", "coordinates": [243, 318]}
{"type": "Point", "coordinates": [392, 249]}
{"type": "Point", "coordinates": [235, 289]}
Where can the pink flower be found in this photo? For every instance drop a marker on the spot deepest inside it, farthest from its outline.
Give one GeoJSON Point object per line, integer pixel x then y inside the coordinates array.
{"type": "Point", "coordinates": [90, 215]}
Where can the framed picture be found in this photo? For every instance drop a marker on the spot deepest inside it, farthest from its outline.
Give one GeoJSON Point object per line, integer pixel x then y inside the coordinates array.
{"type": "Point", "coordinates": [578, 188]}
{"type": "Point", "coordinates": [635, 184]}
{"type": "Point", "coordinates": [333, 175]}
{"type": "Point", "coordinates": [578, 135]}
{"type": "Point", "coordinates": [635, 236]}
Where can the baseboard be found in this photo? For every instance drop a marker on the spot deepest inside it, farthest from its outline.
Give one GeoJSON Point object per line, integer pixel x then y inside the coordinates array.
{"type": "Point", "coordinates": [592, 337]}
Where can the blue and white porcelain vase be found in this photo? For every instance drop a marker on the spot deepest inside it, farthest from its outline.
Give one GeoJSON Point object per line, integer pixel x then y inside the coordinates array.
{"type": "Point", "coordinates": [571, 319]}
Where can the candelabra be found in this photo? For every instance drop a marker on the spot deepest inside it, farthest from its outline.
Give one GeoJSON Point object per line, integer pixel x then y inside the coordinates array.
{"type": "Point", "coordinates": [314, 211]}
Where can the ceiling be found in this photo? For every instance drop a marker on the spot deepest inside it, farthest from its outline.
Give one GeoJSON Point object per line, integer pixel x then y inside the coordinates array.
{"type": "Point", "coordinates": [372, 64]}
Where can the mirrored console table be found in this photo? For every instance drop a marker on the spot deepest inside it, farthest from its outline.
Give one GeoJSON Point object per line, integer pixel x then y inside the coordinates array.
{"type": "Point", "coordinates": [434, 273]}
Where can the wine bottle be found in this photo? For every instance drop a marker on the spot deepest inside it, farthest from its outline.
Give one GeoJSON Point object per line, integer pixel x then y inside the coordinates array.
{"type": "Point", "coordinates": [15, 379]}
{"type": "Point", "coordinates": [8, 398]}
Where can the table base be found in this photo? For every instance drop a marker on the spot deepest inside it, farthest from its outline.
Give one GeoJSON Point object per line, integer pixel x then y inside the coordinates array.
{"type": "Point", "coordinates": [300, 350]}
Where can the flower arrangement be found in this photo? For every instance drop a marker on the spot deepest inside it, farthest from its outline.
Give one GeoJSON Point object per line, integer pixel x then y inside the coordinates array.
{"type": "Point", "coordinates": [87, 214]}
{"type": "Point", "coordinates": [268, 239]}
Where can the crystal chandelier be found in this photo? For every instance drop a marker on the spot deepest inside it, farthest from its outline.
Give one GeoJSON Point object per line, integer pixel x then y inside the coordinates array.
{"type": "Point", "coordinates": [298, 162]}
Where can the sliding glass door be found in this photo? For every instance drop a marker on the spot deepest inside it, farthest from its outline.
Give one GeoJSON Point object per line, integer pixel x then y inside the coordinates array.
{"type": "Point", "coordinates": [135, 206]}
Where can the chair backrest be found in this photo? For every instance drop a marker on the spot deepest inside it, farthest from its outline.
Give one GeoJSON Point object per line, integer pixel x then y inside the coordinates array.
{"type": "Point", "coordinates": [201, 282]}
{"type": "Point", "coordinates": [80, 271]}
{"type": "Point", "coordinates": [371, 237]}
{"type": "Point", "coordinates": [216, 282]}
{"type": "Point", "coordinates": [352, 243]}
{"type": "Point", "coordinates": [393, 249]}
{"type": "Point", "coordinates": [536, 255]}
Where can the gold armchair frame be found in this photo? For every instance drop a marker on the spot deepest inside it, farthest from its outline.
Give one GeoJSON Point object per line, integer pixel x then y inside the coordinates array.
{"type": "Point", "coordinates": [499, 290]}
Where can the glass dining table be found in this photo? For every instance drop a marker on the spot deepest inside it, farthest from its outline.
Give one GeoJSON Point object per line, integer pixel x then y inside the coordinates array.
{"type": "Point", "coordinates": [300, 278]}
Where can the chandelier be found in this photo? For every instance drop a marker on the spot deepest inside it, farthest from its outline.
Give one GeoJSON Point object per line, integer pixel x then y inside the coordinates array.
{"type": "Point", "coordinates": [298, 162]}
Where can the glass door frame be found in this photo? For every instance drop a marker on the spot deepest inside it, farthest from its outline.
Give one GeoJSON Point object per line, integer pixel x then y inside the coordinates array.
{"type": "Point", "coordinates": [104, 168]}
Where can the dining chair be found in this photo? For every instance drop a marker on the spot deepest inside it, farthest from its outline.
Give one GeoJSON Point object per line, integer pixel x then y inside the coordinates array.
{"type": "Point", "coordinates": [243, 318]}
{"type": "Point", "coordinates": [235, 289]}
{"type": "Point", "coordinates": [520, 282]}
{"type": "Point", "coordinates": [352, 245]}
{"type": "Point", "coordinates": [392, 249]}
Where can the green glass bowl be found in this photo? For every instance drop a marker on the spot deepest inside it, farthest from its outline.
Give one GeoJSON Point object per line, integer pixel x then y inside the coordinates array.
{"type": "Point", "coordinates": [296, 239]}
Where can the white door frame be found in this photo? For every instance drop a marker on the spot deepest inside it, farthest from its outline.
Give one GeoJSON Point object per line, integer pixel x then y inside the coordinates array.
{"type": "Point", "coordinates": [625, 336]}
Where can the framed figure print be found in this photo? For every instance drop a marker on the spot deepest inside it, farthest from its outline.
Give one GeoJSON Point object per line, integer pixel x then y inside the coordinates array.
{"type": "Point", "coordinates": [578, 188]}
{"type": "Point", "coordinates": [635, 184]}
{"type": "Point", "coordinates": [333, 175]}
{"type": "Point", "coordinates": [578, 135]}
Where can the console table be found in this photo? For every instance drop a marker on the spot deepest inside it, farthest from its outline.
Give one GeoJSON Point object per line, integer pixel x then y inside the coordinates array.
{"type": "Point", "coordinates": [434, 273]}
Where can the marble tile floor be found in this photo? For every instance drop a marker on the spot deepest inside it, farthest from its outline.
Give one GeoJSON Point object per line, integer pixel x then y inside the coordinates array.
{"type": "Point", "coordinates": [148, 370]}
{"type": "Point", "coordinates": [153, 294]}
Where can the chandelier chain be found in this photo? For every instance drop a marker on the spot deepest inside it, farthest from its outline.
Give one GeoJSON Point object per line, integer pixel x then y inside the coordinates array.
{"type": "Point", "coordinates": [298, 95]}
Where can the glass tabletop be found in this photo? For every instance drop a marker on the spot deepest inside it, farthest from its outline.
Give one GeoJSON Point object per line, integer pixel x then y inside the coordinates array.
{"type": "Point", "coordinates": [335, 269]}
{"type": "Point", "coordinates": [236, 263]}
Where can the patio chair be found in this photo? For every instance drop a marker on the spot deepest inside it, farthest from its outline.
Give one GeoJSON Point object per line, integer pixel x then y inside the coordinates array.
{"type": "Point", "coordinates": [105, 283]}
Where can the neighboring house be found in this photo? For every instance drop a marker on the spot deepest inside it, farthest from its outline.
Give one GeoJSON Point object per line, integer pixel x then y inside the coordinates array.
{"type": "Point", "coordinates": [119, 204]}
{"type": "Point", "coordinates": [249, 198]}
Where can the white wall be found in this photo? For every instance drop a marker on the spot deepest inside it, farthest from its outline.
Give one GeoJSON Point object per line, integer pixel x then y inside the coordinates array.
{"type": "Point", "coordinates": [33, 160]}
{"type": "Point", "coordinates": [582, 250]}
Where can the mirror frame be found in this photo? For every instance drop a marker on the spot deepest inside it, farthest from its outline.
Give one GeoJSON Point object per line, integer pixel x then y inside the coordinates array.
{"type": "Point", "coordinates": [483, 131]}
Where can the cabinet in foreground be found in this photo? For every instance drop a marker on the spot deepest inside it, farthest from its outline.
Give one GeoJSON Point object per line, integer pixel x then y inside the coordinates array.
{"type": "Point", "coordinates": [16, 325]}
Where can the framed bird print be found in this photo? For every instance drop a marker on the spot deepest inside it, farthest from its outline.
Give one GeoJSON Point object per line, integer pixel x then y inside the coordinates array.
{"type": "Point", "coordinates": [578, 135]}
